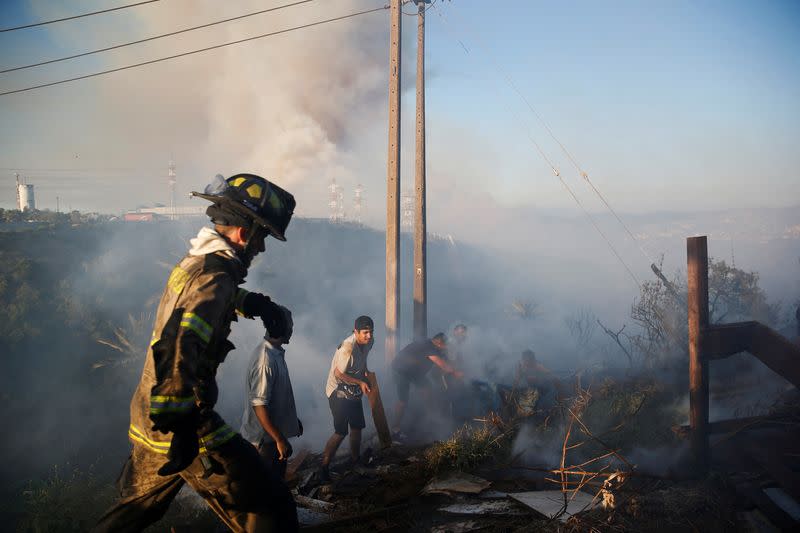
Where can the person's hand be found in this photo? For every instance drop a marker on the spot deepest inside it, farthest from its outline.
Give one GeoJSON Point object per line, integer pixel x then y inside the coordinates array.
{"type": "Point", "coordinates": [300, 427]}
{"type": "Point", "coordinates": [458, 374]}
{"type": "Point", "coordinates": [182, 451]}
{"type": "Point", "coordinates": [365, 387]}
{"type": "Point", "coordinates": [284, 449]}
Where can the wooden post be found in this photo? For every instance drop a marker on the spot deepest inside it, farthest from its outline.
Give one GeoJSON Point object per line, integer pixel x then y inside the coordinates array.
{"type": "Point", "coordinates": [697, 278]}
{"type": "Point", "coordinates": [420, 222]}
{"type": "Point", "coordinates": [393, 188]}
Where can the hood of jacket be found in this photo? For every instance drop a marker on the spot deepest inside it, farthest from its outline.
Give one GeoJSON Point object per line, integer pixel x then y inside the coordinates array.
{"type": "Point", "coordinates": [208, 241]}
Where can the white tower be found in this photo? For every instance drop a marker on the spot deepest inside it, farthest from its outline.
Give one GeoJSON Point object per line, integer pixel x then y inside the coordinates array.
{"type": "Point", "coordinates": [25, 197]}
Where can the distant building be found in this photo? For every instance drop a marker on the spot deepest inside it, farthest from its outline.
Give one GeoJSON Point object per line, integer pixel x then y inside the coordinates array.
{"type": "Point", "coordinates": [139, 217]}
{"type": "Point", "coordinates": [161, 213]}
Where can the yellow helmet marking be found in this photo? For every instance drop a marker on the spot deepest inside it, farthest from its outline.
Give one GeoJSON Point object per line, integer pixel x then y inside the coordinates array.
{"type": "Point", "coordinates": [254, 191]}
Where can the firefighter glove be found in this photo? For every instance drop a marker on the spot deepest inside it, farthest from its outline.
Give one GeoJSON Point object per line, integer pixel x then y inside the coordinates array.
{"type": "Point", "coordinates": [257, 304]}
{"type": "Point", "coordinates": [280, 325]}
{"type": "Point", "coordinates": [182, 451]}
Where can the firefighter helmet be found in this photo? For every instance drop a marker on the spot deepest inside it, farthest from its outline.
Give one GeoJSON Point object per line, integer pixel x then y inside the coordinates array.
{"type": "Point", "coordinates": [244, 199]}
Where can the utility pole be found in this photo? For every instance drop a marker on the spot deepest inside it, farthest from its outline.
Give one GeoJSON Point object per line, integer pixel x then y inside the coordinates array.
{"type": "Point", "coordinates": [393, 187]}
{"type": "Point", "coordinates": [420, 221]}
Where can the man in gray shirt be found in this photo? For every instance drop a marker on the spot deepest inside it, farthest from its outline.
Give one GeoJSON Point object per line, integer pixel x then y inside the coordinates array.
{"type": "Point", "coordinates": [270, 416]}
{"type": "Point", "coordinates": [347, 381]}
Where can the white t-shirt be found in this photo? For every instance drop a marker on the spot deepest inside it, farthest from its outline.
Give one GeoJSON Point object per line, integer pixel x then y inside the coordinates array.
{"type": "Point", "coordinates": [350, 358]}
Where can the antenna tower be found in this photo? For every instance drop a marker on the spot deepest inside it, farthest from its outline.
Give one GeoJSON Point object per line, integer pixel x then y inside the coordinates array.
{"type": "Point", "coordinates": [358, 203]}
{"type": "Point", "coordinates": [335, 202]}
{"type": "Point", "coordinates": [171, 179]}
{"type": "Point", "coordinates": [407, 210]}
{"type": "Point", "coordinates": [19, 203]}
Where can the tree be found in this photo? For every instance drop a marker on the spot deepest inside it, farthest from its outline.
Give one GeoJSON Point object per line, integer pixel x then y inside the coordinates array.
{"type": "Point", "coordinates": [733, 294]}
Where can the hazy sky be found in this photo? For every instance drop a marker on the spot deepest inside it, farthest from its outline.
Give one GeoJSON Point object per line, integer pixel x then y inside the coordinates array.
{"type": "Point", "coordinates": [669, 105]}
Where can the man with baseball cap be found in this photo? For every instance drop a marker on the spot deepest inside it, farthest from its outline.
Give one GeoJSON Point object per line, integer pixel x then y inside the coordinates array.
{"type": "Point", "coordinates": [347, 382]}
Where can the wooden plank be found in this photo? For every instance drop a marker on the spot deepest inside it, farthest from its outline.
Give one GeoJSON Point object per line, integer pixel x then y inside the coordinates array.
{"type": "Point", "coordinates": [378, 414]}
{"type": "Point", "coordinates": [777, 352]}
{"type": "Point", "coordinates": [771, 510]}
{"type": "Point", "coordinates": [734, 425]}
{"type": "Point", "coordinates": [774, 463]}
{"type": "Point", "coordinates": [295, 463]}
{"type": "Point", "coordinates": [724, 340]}
{"type": "Point", "coordinates": [780, 354]}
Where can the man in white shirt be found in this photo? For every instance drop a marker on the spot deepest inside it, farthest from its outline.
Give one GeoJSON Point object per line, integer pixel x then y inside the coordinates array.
{"type": "Point", "coordinates": [270, 415]}
{"type": "Point", "coordinates": [347, 382]}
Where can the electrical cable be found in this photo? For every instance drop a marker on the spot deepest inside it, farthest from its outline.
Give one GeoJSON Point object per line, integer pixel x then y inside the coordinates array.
{"type": "Point", "coordinates": [77, 16]}
{"type": "Point", "coordinates": [578, 168]}
{"type": "Point", "coordinates": [163, 35]}
{"type": "Point", "coordinates": [135, 65]}
{"type": "Point", "coordinates": [415, 13]}
{"type": "Point", "coordinates": [557, 173]}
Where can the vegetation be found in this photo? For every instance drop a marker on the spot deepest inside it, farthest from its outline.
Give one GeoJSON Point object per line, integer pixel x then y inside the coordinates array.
{"type": "Point", "coordinates": [468, 447]}
{"type": "Point", "coordinates": [659, 313]}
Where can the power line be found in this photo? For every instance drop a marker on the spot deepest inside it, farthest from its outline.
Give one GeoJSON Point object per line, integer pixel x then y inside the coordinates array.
{"type": "Point", "coordinates": [195, 51]}
{"type": "Point", "coordinates": [77, 16]}
{"type": "Point", "coordinates": [557, 174]}
{"type": "Point", "coordinates": [567, 153]}
{"type": "Point", "coordinates": [163, 35]}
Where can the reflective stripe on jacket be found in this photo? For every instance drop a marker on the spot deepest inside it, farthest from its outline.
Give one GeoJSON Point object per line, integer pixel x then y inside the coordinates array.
{"type": "Point", "coordinates": [190, 339]}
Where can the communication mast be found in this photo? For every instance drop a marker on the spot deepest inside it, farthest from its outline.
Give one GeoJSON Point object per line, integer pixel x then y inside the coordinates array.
{"type": "Point", "coordinates": [335, 202]}
{"type": "Point", "coordinates": [171, 179]}
{"type": "Point", "coordinates": [407, 211]}
{"type": "Point", "coordinates": [358, 203]}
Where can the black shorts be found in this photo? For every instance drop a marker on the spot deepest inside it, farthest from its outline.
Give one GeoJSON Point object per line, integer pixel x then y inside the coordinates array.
{"type": "Point", "coordinates": [346, 413]}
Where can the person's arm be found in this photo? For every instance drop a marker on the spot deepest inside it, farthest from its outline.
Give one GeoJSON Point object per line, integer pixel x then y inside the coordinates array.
{"type": "Point", "coordinates": [284, 448]}
{"type": "Point", "coordinates": [182, 390]}
{"type": "Point", "coordinates": [446, 367]}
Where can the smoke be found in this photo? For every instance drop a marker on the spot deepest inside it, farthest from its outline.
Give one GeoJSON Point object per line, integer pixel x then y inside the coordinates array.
{"type": "Point", "coordinates": [298, 107]}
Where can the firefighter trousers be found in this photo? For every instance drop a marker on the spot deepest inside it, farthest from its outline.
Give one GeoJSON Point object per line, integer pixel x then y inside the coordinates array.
{"type": "Point", "coordinates": [237, 487]}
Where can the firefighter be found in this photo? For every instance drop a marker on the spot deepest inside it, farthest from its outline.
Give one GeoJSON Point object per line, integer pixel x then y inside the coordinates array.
{"type": "Point", "coordinates": [177, 436]}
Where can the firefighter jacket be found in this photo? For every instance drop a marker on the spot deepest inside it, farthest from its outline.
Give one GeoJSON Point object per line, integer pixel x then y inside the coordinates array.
{"type": "Point", "coordinates": [178, 387]}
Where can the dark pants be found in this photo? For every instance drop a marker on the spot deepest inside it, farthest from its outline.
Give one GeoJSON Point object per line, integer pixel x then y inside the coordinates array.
{"type": "Point", "coordinates": [239, 489]}
{"type": "Point", "coordinates": [268, 451]}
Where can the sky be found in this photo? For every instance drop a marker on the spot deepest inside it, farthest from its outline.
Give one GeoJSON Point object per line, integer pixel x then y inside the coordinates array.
{"type": "Point", "coordinates": [666, 105]}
